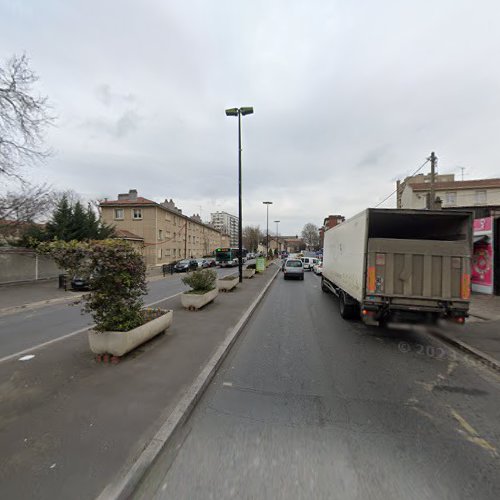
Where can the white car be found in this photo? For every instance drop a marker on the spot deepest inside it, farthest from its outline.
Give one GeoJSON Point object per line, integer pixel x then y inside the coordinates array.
{"type": "Point", "coordinates": [318, 268]}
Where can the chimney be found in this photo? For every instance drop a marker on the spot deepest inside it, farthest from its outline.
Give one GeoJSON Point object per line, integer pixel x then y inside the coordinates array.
{"type": "Point", "coordinates": [131, 195]}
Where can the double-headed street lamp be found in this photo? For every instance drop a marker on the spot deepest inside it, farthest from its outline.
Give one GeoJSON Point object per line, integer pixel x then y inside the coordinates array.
{"type": "Point", "coordinates": [239, 112]}
{"type": "Point", "coordinates": [267, 203]}
{"type": "Point", "coordinates": [277, 235]}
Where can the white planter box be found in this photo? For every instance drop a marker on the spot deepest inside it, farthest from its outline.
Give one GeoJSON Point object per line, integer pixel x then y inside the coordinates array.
{"type": "Point", "coordinates": [119, 343]}
{"type": "Point", "coordinates": [195, 301]}
{"type": "Point", "coordinates": [248, 273]}
{"type": "Point", "coordinates": [227, 284]}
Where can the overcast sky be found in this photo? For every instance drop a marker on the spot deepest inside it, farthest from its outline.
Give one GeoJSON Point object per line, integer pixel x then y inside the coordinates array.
{"type": "Point", "coordinates": [349, 95]}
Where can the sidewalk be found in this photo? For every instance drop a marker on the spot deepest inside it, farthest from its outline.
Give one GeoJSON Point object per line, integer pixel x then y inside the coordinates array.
{"type": "Point", "coordinates": [485, 307]}
{"type": "Point", "coordinates": [70, 425]}
{"type": "Point", "coordinates": [14, 296]}
{"type": "Point", "coordinates": [480, 336]}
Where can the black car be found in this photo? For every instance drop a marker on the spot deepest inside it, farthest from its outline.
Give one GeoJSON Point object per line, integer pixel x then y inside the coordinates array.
{"type": "Point", "coordinates": [186, 265]}
{"type": "Point", "coordinates": [79, 283]}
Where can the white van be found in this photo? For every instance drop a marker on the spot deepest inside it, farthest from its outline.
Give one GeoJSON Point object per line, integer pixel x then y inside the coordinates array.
{"type": "Point", "coordinates": [309, 262]}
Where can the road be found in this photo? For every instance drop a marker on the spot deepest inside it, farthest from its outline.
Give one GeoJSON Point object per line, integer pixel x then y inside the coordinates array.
{"type": "Point", "coordinates": [308, 405]}
{"type": "Point", "coordinates": [29, 328]}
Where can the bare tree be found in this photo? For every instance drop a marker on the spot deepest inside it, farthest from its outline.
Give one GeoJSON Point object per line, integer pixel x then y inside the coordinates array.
{"type": "Point", "coordinates": [29, 204]}
{"type": "Point", "coordinates": [24, 118]}
{"type": "Point", "coordinates": [310, 235]}
{"type": "Point", "coordinates": [252, 235]}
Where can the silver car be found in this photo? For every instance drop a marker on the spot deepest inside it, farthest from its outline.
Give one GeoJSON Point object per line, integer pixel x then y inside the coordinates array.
{"type": "Point", "coordinates": [293, 268]}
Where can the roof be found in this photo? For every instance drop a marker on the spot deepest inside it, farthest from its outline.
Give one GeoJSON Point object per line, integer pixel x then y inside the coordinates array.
{"type": "Point", "coordinates": [138, 201]}
{"type": "Point", "coordinates": [127, 235]}
{"type": "Point", "coordinates": [143, 202]}
{"type": "Point", "coordinates": [473, 184]}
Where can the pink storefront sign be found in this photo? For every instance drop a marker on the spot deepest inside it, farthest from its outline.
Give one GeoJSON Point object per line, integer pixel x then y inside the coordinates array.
{"type": "Point", "coordinates": [483, 225]}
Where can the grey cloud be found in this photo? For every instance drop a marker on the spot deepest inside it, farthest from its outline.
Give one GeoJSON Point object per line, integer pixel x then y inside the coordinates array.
{"type": "Point", "coordinates": [118, 128]}
{"type": "Point", "coordinates": [107, 96]}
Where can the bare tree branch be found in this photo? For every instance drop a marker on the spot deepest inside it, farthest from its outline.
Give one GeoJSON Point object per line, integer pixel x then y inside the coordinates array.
{"type": "Point", "coordinates": [24, 118]}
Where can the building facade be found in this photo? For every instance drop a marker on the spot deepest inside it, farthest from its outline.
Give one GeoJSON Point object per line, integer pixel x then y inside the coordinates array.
{"type": "Point", "coordinates": [482, 196]}
{"type": "Point", "coordinates": [167, 234]}
{"type": "Point", "coordinates": [328, 223]}
{"type": "Point", "coordinates": [227, 224]}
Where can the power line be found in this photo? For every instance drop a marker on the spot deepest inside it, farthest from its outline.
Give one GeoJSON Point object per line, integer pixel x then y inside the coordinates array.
{"type": "Point", "coordinates": [396, 190]}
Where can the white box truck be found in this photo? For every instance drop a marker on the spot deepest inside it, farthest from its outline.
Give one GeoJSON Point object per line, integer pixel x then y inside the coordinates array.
{"type": "Point", "coordinates": [400, 265]}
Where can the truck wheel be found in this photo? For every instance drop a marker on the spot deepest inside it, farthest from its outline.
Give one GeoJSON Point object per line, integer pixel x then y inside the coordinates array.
{"type": "Point", "coordinates": [347, 311]}
{"type": "Point", "coordinates": [324, 288]}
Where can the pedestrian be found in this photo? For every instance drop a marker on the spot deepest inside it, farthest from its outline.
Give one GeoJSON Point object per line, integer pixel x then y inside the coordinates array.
{"type": "Point", "coordinates": [164, 269]}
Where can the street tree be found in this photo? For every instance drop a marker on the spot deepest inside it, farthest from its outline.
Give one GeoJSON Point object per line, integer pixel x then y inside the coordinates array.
{"type": "Point", "coordinates": [310, 235]}
{"type": "Point", "coordinates": [252, 236]}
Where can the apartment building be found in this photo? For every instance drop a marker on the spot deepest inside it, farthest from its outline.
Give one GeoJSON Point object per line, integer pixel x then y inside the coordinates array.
{"type": "Point", "coordinates": [228, 224]}
{"type": "Point", "coordinates": [167, 234]}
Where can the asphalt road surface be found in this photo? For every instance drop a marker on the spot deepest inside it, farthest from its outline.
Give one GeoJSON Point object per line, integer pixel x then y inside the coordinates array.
{"type": "Point", "coordinates": [308, 405]}
{"type": "Point", "coordinates": [32, 327]}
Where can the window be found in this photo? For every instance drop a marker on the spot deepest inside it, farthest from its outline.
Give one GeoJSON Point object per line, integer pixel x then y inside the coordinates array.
{"type": "Point", "coordinates": [118, 213]}
{"type": "Point", "coordinates": [451, 198]}
{"type": "Point", "coordinates": [174, 252]}
{"type": "Point", "coordinates": [175, 236]}
{"type": "Point", "coordinates": [480, 197]}
{"type": "Point", "coordinates": [160, 234]}
{"type": "Point", "coordinates": [160, 253]}
{"type": "Point", "coordinates": [136, 213]}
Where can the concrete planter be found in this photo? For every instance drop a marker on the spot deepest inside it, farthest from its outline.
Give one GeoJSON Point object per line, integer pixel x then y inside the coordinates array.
{"type": "Point", "coordinates": [248, 273]}
{"type": "Point", "coordinates": [119, 343]}
{"type": "Point", "coordinates": [195, 301]}
{"type": "Point", "coordinates": [224, 285]}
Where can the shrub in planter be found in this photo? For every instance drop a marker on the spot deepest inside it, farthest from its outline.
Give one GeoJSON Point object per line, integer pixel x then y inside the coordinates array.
{"type": "Point", "coordinates": [117, 278]}
{"type": "Point", "coordinates": [251, 266]}
{"type": "Point", "coordinates": [201, 281]}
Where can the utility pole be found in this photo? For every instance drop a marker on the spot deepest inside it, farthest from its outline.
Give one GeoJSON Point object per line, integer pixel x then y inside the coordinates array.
{"type": "Point", "coordinates": [433, 159]}
{"type": "Point", "coordinates": [277, 235]}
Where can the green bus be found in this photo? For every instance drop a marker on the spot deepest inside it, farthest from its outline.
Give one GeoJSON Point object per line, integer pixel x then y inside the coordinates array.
{"type": "Point", "coordinates": [228, 257]}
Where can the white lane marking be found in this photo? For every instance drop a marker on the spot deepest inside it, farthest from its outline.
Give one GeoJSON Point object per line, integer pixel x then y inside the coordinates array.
{"type": "Point", "coordinates": [27, 358]}
{"type": "Point", "coordinates": [228, 384]}
{"type": "Point", "coordinates": [68, 335]}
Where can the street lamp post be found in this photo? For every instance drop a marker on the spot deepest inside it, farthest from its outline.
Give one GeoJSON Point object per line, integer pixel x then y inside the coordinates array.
{"type": "Point", "coordinates": [239, 112]}
{"type": "Point", "coordinates": [267, 203]}
{"type": "Point", "coordinates": [277, 235]}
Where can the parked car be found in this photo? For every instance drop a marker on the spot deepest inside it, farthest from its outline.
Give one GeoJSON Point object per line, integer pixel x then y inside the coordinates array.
{"type": "Point", "coordinates": [293, 268]}
{"type": "Point", "coordinates": [250, 255]}
{"type": "Point", "coordinates": [211, 262]}
{"type": "Point", "coordinates": [79, 283]}
{"type": "Point", "coordinates": [202, 263]}
{"type": "Point", "coordinates": [318, 268]}
{"type": "Point", "coordinates": [186, 265]}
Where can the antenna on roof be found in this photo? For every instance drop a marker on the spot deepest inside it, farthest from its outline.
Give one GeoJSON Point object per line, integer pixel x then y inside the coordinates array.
{"type": "Point", "coordinates": [462, 169]}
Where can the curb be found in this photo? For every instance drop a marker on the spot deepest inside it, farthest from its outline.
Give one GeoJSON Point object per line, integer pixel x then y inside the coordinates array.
{"type": "Point", "coordinates": [123, 487]}
{"type": "Point", "coordinates": [35, 305]}
{"type": "Point", "coordinates": [484, 358]}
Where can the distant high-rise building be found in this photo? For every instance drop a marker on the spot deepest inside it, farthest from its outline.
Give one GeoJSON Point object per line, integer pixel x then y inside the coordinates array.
{"type": "Point", "coordinates": [226, 223]}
